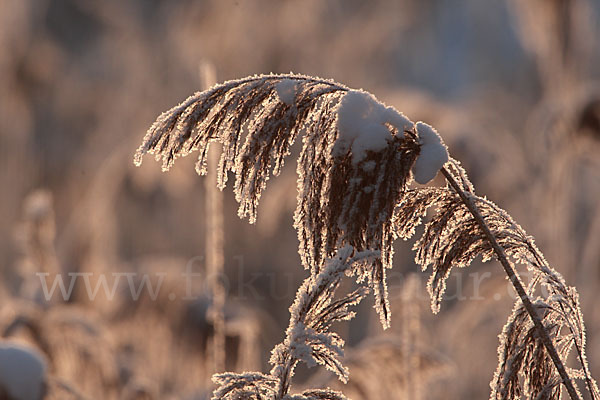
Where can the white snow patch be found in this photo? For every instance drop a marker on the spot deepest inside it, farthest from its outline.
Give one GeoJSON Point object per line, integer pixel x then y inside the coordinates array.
{"type": "Point", "coordinates": [286, 90]}
{"type": "Point", "coordinates": [362, 125]}
{"type": "Point", "coordinates": [22, 372]}
{"type": "Point", "coordinates": [434, 153]}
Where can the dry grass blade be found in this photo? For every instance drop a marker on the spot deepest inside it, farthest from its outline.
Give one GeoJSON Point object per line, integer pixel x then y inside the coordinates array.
{"type": "Point", "coordinates": [214, 240]}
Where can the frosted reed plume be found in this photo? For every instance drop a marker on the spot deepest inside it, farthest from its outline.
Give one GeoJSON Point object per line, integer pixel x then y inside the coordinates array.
{"type": "Point", "coordinates": [257, 119]}
{"type": "Point", "coordinates": [465, 226]}
{"type": "Point", "coordinates": [308, 337]}
{"type": "Point", "coordinates": [357, 160]}
{"type": "Point", "coordinates": [401, 362]}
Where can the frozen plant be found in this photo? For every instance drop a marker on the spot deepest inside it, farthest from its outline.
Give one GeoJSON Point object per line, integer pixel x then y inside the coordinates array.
{"type": "Point", "coordinates": [355, 168]}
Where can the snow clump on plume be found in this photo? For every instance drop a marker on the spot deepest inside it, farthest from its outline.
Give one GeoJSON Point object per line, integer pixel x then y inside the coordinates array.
{"type": "Point", "coordinates": [433, 156]}
{"type": "Point", "coordinates": [286, 91]}
{"type": "Point", "coordinates": [362, 125]}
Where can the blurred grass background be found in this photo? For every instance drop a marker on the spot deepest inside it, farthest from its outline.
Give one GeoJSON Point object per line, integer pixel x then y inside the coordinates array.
{"type": "Point", "coordinates": [512, 87]}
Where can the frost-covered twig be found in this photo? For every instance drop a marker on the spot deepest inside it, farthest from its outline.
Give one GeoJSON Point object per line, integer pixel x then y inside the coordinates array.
{"type": "Point", "coordinates": [308, 338]}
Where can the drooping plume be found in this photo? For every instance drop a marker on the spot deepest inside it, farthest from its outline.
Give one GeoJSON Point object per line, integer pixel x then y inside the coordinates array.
{"type": "Point", "coordinates": [353, 168]}
{"type": "Point", "coordinates": [357, 159]}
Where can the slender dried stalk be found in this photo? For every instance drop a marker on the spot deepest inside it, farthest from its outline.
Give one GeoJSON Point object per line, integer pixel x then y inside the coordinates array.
{"type": "Point", "coordinates": [411, 332]}
{"type": "Point", "coordinates": [214, 239]}
{"type": "Point", "coordinates": [512, 274]}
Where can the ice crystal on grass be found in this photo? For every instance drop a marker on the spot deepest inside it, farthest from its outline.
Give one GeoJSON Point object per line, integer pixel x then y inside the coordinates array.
{"type": "Point", "coordinates": [315, 394]}
{"type": "Point", "coordinates": [308, 337]}
{"type": "Point", "coordinates": [524, 367]}
{"type": "Point", "coordinates": [452, 238]}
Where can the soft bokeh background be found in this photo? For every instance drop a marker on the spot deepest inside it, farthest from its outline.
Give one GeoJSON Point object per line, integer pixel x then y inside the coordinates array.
{"type": "Point", "coordinates": [512, 86]}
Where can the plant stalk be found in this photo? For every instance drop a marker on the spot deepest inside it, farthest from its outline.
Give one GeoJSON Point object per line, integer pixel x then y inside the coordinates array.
{"type": "Point", "coordinates": [514, 278]}
{"type": "Point", "coordinates": [214, 240]}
